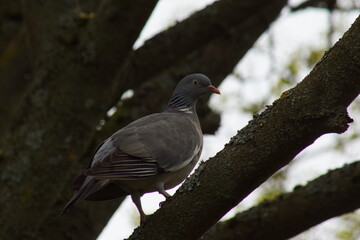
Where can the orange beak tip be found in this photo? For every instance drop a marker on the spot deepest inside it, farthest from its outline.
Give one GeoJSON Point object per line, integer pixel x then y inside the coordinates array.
{"type": "Point", "coordinates": [214, 89]}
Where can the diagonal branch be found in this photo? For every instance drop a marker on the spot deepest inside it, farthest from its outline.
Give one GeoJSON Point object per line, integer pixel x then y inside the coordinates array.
{"type": "Point", "coordinates": [329, 195]}
{"type": "Point", "coordinates": [214, 23]}
{"type": "Point", "coordinates": [329, 4]}
{"type": "Point", "coordinates": [314, 107]}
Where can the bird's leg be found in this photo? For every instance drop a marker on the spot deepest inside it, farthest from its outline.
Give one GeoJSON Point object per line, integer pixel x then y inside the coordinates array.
{"type": "Point", "coordinates": [136, 200]}
{"type": "Point", "coordinates": [165, 194]}
{"type": "Point", "coordinates": [160, 188]}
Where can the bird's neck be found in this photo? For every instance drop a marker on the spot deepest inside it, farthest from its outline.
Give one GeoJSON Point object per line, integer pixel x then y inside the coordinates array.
{"type": "Point", "coordinates": [181, 103]}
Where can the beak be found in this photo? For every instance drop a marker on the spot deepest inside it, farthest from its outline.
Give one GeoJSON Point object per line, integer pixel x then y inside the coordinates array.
{"type": "Point", "coordinates": [213, 89]}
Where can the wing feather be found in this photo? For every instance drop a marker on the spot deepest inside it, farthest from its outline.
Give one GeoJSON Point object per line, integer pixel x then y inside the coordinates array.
{"type": "Point", "coordinates": [148, 146]}
{"type": "Point", "coordinates": [122, 166]}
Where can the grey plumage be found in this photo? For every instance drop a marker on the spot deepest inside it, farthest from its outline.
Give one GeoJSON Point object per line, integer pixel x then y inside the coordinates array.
{"type": "Point", "coordinates": [153, 153]}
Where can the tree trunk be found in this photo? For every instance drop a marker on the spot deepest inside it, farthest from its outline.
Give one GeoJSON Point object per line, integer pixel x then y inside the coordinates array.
{"type": "Point", "coordinates": [75, 61]}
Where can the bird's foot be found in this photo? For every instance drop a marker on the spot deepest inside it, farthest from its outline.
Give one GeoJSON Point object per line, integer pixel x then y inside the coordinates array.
{"type": "Point", "coordinates": [164, 193]}
{"type": "Point", "coordinates": [166, 200]}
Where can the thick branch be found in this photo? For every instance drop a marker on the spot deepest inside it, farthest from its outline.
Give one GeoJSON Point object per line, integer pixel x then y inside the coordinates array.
{"type": "Point", "coordinates": [111, 30]}
{"type": "Point", "coordinates": [212, 23]}
{"type": "Point", "coordinates": [330, 195]}
{"type": "Point", "coordinates": [314, 107]}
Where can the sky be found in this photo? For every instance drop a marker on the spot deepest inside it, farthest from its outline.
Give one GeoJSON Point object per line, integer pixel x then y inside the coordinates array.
{"type": "Point", "coordinates": [292, 33]}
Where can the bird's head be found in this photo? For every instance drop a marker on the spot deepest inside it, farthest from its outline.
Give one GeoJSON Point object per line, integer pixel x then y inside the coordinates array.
{"type": "Point", "coordinates": [190, 88]}
{"type": "Point", "coordinates": [194, 86]}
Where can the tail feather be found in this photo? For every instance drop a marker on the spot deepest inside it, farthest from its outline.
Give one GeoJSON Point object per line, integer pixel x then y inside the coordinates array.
{"type": "Point", "coordinates": [89, 186]}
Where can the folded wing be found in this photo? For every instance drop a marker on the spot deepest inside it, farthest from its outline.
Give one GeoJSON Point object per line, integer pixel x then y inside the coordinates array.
{"type": "Point", "coordinates": [153, 144]}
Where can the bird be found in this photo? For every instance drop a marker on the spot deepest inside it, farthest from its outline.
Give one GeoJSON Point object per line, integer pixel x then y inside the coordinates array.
{"type": "Point", "coordinates": [152, 154]}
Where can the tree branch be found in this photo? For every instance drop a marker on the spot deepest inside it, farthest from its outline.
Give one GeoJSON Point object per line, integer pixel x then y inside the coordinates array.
{"type": "Point", "coordinates": [213, 23]}
{"type": "Point", "coordinates": [314, 107]}
{"type": "Point", "coordinates": [328, 4]}
{"type": "Point", "coordinates": [111, 30]}
{"type": "Point", "coordinates": [329, 195]}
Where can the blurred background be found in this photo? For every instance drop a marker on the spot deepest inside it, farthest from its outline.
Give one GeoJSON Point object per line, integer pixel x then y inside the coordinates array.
{"type": "Point", "coordinates": [74, 71]}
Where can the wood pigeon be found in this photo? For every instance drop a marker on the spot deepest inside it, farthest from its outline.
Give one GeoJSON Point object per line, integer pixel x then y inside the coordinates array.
{"type": "Point", "coordinates": [154, 153]}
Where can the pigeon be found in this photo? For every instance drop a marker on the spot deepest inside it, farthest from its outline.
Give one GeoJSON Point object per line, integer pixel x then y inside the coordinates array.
{"type": "Point", "coordinates": [154, 153]}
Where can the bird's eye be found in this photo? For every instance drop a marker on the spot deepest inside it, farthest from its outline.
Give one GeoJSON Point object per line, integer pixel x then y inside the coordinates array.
{"type": "Point", "coordinates": [195, 82]}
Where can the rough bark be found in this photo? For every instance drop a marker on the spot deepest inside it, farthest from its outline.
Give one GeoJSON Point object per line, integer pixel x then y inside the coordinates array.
{"type": "Point", "coordinates": [15, 60]}
{"type": "Point", "coordinates": [75, 62]}
{"type": "Point", "coordinates": [14, 64]}
{"type": "Point", "coordinates": [15, 79]}
{"type": "Point", "coordinates": [10, 21]}
{"type": "Point", "coordinates": [329, 195]}
{"type": "Point", "coordinates": [316, 106]}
